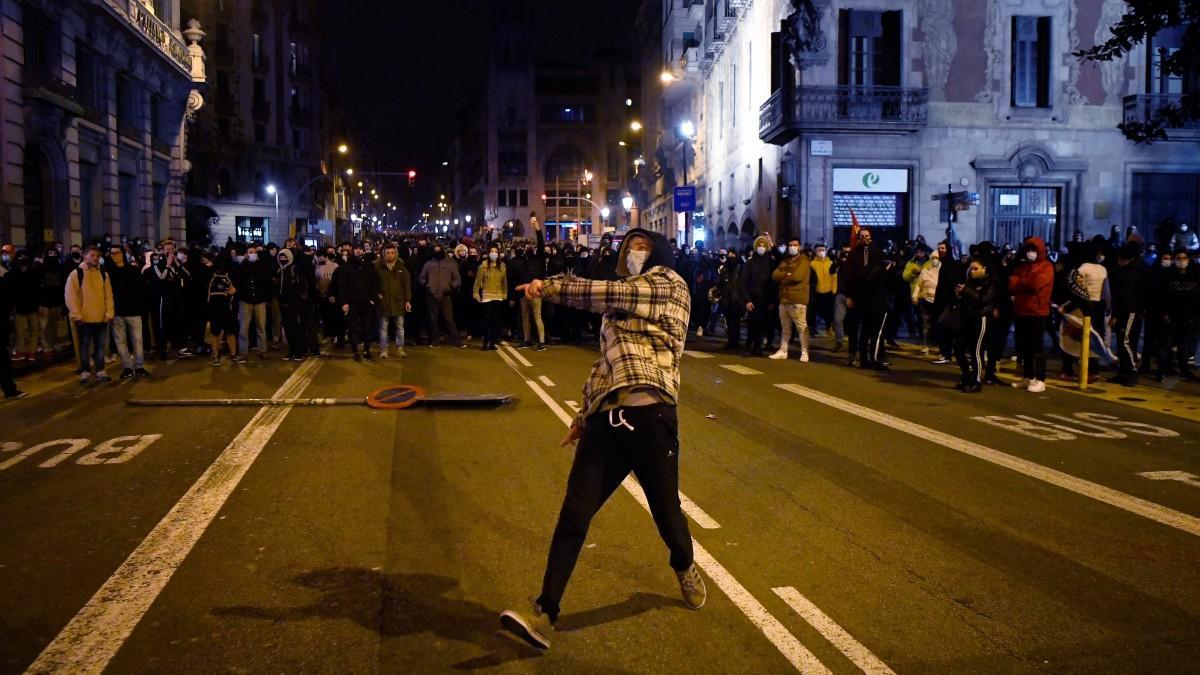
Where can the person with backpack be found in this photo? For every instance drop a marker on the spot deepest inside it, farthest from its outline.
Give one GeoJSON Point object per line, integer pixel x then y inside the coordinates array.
{"type": "Point", "coordinates": [89, 297]}
{"type": "Point", "coordinates": [221, 312]}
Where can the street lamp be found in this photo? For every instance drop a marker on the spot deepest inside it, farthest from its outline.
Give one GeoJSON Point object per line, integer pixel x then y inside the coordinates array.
{"type": "Point", "coordinates": [343, 149]}
{"type": "Point", "coordinates": [350, 171]}
{"type": "Point", "coordinates": [635, 125]}
{"type": "Point", "coordinates": [627, 204]}
{"type": "Point", "coordinates": [666, 77]}
{"type": "Point", "coordinates": [687, 129]}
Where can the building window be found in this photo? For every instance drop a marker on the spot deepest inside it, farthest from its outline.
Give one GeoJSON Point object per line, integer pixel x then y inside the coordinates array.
{"type": "Point", "coordinates": [156, 117]}
{"type": "Point", "coordinates": [869, 48]}
{"type": "Point", "coordinates": [223, 128]}
{"type": "Point", "coordinates": [126, 101]}
{"type": "Point", "coordinates": [524, 198]}
{"type": "Point", "coordinates": [42, 46]}
{"type": "Point", "coordinates": [1030, 62]}
{"type": "Point", "coordinates": [224, 183]}
{"type": "Point", "coordinates": [293, 58]}
{"type": "Point", "coordinates": [1158, 48]}
{"type": "Point", "coordinates": [87, 81]}
{"type": "Point", "coordinates": [502, 198]}
{"type": "Point", "coordinates": [512, 198]}
{"type": "Point", "coordinates": [256, 50]}
{"type": "Point", "coordinates": [251, 229]}
{"type": "Point", "coordinates": [260, 91]}
{"type": "Point", "coordinates": [260, 133]}
{"type": "Point", "coordinates": [127, 202]}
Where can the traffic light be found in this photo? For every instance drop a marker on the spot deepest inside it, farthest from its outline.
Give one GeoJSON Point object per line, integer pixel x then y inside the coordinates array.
{"type": "Point", "coordinates": [412, 178]}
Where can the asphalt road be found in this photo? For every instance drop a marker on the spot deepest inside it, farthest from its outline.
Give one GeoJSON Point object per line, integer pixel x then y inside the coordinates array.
{"type": "Point", "coordinates": [846, 520]}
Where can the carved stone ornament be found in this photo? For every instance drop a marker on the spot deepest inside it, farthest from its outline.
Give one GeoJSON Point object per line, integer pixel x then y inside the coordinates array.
{"type": "Point", "coordinates": [1074, 97]}
{"type": "Point", "coordinates": [194, 34]}
{"type": "Point", "coordinates": [1112, 73]}
{"type": "Point", "coordinates": [993, 49]}
{"type": "Point", "coordinates": [941, 44]}
{"type": "Point", "coordinates": [802, 34]}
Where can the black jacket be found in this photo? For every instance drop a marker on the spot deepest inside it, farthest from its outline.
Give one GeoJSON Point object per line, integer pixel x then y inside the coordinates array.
{"type": "Point", "coordinates": [1181, 293]}
{"type": "Point", "coordinates": [253, 281]}
{"type": "Point", "coordinates": [357, 282]}
{"type": "Point", "coordinates": [863, 277]}
{"type": "Point", "coordinates": [1127, 285]}
{"type": "Point", "coordinates": [25, 284]}
{"type": "Point", "coordinates": [755, 280]}
{"type": "Point", "coordinates": [978, 297]}
{"type": "Point", "coordinates": [131, 295]}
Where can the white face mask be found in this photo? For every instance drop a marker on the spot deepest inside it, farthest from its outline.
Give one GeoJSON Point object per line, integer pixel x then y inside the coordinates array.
{"type": "Point", "coordinates": [1031, 256]}
{"type": "Point", "coordinates": [821, 254]}
{"type": "Point", "coordinates": [493, 256]}
{"type": "Point", "coordinates": [761, 250]}
{"type": "Point", "coordinates": [781, 247]}
{"type": "Point", "coordinates": [793, 250]}
{"type": "Point", "coordinates": [181, 257]}
{"type": "Point", "coordinates": [252, 257]}
{"type": "Point", "coordinates": [635, 260]}
{"type": "Point", "coordinates": [1165, 262]}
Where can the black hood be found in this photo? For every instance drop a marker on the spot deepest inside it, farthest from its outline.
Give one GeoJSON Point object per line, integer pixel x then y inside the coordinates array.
{"type": "Point", "coordinates": [660, 256]}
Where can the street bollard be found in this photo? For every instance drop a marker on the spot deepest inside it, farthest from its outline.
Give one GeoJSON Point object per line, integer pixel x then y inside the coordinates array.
{"type": "Point", "coordinates": [1085, 352]}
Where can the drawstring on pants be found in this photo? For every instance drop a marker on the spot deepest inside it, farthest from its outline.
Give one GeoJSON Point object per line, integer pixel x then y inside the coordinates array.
{"type": "Point", "coordinates": [621, 421]}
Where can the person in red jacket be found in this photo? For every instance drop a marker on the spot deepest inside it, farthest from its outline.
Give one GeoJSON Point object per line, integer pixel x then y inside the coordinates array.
{"type": "Point", "coordinates": [1030, 285]}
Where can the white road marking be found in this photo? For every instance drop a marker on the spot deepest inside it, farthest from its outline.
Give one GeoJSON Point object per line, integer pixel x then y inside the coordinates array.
{"type": "Point", "coordinates": [573, 405]}
{"type": "Point", "coordinates": [88, 643]}
{"type": "Point", "coordinates": [545, 380]}
{"type": "Point", "coordinates": [702, 519]}
{"type": "Point", "coordinates": [1170, 517]}
{"type": "Point", "coordinates": [837, 636]}
{"type": "Point", "coordinates": [517, 355]}
{"type": "Point", "coordinates": [740, 369]}
{"type": "Point", "coordinates": [697, 355]}
{"type": "Point", "coordinates": [1095, 425]}
{"type": "Point", "coordinates": [788, 645]}
{"type": "Point", "coordinates": [1181, 476]}
{"type": "Point", "coordinates": [73, 445]}
{"type": "Point", "coordinates": [118, 450]}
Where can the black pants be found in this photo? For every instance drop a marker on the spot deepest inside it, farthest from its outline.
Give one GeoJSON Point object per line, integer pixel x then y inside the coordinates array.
{"type": "Point", "coordinates": [1179, 340]}
{"type": "Point", "coordinates": [361, 322]}
{"type": "Point", "coordinates": [871, 334]}
{"type": "Point", "coordinates": [820, 310]}
{"type": "Point", "coordinates": [294, 328]}
{"type": "Point", "coordinates": [1031, 345]}
{"type": "Point", "coordinates": [491, 321]}
{"type": "Point", "coordinates": [972, 345]}
{"type": "Point", "coordinates": [757, 328]}
{"type": "Point", "coordinates": [1128, 326]}
{"type": "Point", "coordinates": [733, 324]}
{"type": "Point", "coordinates": [1157, 333]}
{"type": "Point", "coordinates": [442, 307]}
{"type": "Point", "coordinates": [945, 336]}
{"type": "Point", "coordinates": [644, 440]}
{"type": "Point", "coordinates": [6, 378]}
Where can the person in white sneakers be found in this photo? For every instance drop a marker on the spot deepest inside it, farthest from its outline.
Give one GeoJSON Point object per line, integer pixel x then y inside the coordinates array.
{"type": "Point", "coordinates": [793, 275]}
{"type": "Point", "coordinates": [88, 293]}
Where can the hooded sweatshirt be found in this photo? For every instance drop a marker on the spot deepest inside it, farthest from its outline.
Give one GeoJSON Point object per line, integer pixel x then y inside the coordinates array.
{"type": "Point", "coordinates": [1032, 282]}
{"type": "Point", "coordinates": [293, 287]}
{"type": "Point", "coordinates": [645, 320]}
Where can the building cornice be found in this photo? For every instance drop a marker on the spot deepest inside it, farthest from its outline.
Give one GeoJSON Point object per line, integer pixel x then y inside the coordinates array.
{"type": "Point", "coordinates": [154, 33]}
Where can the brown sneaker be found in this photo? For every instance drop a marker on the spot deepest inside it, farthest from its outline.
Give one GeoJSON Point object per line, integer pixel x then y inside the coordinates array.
{"type": "Point", "coordinates": [534, 628]}
{"type": "Point", "coordinates": [691, 585]}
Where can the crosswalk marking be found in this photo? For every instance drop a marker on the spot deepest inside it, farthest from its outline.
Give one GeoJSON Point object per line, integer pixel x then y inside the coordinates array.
{"type": "Point", "coordinates": [697, 355]}
{"type": "Point", "coordinates": [837, 636]}
{"type": "Point", "coordinates": [572, 405]}
{"type": "Point", "coordinates": [545, 380]}
{"type": "Point", "coordinates": [740, 369]}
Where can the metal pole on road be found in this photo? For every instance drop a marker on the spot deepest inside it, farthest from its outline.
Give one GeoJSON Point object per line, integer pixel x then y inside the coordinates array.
{"type": "Point", "coordinates": [1085, 351]}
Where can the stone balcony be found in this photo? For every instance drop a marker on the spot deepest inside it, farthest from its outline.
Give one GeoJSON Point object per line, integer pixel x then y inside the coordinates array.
{"type": "Point", "coordinates": [1144, 108]}
{"type": "Point", "coordinates": [842, 109]}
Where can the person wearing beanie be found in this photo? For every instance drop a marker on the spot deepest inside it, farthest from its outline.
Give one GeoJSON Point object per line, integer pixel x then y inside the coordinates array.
{"type": "Point", "coordinates": [294, 308]}
{"type": "Point", "coordinates": [627, 417]}
{"type": "Point", "coordinates": [758, 293]}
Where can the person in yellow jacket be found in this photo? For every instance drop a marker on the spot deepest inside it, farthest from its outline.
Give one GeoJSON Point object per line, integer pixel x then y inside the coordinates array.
{"type": "Point", "coordinates": [823, 288]}
{"type": "Point", "coordinates": [89, 297]}
{"type": "Point", "coordinates": [793, 276]}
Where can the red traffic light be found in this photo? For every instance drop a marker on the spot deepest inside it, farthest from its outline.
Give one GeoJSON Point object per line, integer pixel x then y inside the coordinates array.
{"type": "Point", "coordinates": [412, 174]}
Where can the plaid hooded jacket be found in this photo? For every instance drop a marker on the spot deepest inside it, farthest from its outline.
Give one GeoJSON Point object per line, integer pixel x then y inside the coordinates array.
{"type": "Point", "coordinates": [645, 320]}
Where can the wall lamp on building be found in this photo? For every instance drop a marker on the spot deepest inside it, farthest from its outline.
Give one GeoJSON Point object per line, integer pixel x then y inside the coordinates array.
{"type": "Point", "coordinates": [605, 212]}
{"type": "Point", "coordinates": [343, 149]}
{"type": "Point", "coordinates": [635, 125]}
{"type": "Point", "coordinates": [687, 129]}
{"type": "Point", "coordinates": [666, 77]}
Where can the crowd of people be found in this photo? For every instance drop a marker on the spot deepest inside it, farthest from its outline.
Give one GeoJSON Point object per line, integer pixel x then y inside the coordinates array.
{"type": "Point", "coordinates": [120, 300]}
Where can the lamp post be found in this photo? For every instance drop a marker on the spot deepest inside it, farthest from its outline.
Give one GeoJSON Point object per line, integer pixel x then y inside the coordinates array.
{"type": "Point", "coordinates": [627, 204]}
{"type": "Point", "coordinates": [275, 193]}
{"type": "Point", "coordinates": [687, 130]}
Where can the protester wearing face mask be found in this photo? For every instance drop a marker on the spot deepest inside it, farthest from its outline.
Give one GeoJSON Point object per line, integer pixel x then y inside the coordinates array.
{"type": "Point", "coordinates": [976, 300]}
{"type": "Point", "coordinates": [629, 408]}
{"type": "Point", "coordinates": [490, 291]}
{"type": "Point", "coordinates": [760, 295]}
{"type": "Point", "coordinates": [89, 298]}
{"type": "Point", "coordinates": [441, 281]}
{"type": "Point", "coordinates": [166, 286]}
{"type": "Point", "coordinates": [822, 290]}
{"type": "Point", "coordinates": [395, 298]}
{"type": "Point", "coordinates": [793, 275]}
{"type": "Point", "coordinates": [131, 302]}
{"type": "Point", "coordinates": [924, 291]}
{"type": "Point", "coordinates": [333, 324]}
{"type": "Point", "coordinates": [1180, 291]}
{"type": "Point", "coordinates": [1030, 286]}
{"type": "Point", "coordinates": [25, 280]}
{"type": "Point", "coordinates": [50, 305]}
{"type": "Point", "coordinates": [252, 278]}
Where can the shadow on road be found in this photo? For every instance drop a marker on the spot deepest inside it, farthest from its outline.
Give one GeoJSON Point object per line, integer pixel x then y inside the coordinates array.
{"type": "Point", "coordinates": [636, 604]}
{"type": "Point", "coordinates": [394, 605]}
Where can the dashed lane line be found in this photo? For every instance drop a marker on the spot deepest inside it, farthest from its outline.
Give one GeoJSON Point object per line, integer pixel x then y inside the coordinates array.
{"type": "Point", "coordinates": [788, 645]}
{"type": "Point", "coordinates": [90, 640]}
{"type": "Point", "coordinates": [740, 369]}
{"type": "Point", "coordinates": [516, 355]}
{"type": "Point", "coordinates": [545, 380]}
{"type": "Point", "coordinates": [1166, 516]}
{"type": "Point", "coordinates": [854, 650]}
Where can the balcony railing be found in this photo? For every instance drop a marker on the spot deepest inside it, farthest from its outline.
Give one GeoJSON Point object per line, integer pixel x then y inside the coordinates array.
{"type": "Point", "coordinates": [1143, 108]}
{"type": "Point", "coordinates": [843, 109]}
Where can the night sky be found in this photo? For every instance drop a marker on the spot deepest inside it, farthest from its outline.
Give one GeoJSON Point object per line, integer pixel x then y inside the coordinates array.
{"type": "Point", "coordinates": [405, 68]}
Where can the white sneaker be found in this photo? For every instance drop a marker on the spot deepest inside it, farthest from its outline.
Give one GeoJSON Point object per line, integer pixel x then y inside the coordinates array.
{"type": "Point", "coordinates": [1036, 387]}
{"type": "Point", "coordinates": [102, 376]}
{"type": "Point", "coordinates": [1022, 384]}
{"type": "Point", "coordinates": [699, 332]}
{"type": "Point", "coordinates": [779, 355]}
{"type": "Point", "coordinates": [85, 377]}
{"type": "Point", "coordinates": [803, 357]}
{"type": "Point", "coordinates": [383, 354]}
{"type": "Point", "coordinates": [925, 351]}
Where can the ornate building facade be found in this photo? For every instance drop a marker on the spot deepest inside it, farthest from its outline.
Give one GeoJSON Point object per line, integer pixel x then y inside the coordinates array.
{"type": "Point", "coordinates": [813, 109]}
{"type": "Point", "coordinates": [95, 100]}
{"type": "Point", "coordinates": [259, 145]}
